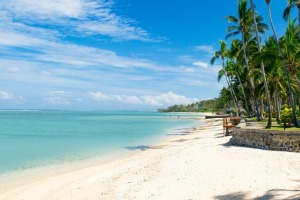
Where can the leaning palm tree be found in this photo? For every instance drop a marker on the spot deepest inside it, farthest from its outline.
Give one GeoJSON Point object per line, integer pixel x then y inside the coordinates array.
{"type": "Point", "coordinates": [223, 52]}
{"type": "Point", "coordinates": [290, 6]}
{"type": "Point", "coordinates": [235, 67]}
{"type": "Point", "coordinates": [242, 24]}
{"type": "Point", "coordinates": [285, 67]}
{"type": "Point", "coordinates": [269, 124]}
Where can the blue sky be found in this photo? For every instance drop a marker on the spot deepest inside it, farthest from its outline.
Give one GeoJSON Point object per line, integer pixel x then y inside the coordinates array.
{"type": "Point", "coordinates": [112, 54]}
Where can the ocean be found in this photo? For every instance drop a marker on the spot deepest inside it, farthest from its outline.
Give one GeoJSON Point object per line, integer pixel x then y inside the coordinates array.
{"type": "Point", "coordinates": [34, 138]}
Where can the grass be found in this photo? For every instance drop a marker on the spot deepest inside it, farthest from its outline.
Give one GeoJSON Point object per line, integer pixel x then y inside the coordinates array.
{"type": "Point", "coordinates": [275, 125]}
{"type": "Point", "coordinates": [280, 128]}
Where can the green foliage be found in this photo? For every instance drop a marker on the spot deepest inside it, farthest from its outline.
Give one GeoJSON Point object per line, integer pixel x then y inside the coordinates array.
{"type": "Point", "coordinates": [200, 106]}
{"type": "Point", "coordinates": [286, 115]}
{"type": "Point", "coordinates": [220, 104]}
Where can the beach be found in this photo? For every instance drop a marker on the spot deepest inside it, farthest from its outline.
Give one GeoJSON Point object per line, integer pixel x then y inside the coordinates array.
{"type": "Point", "coordinates": [198, 164]}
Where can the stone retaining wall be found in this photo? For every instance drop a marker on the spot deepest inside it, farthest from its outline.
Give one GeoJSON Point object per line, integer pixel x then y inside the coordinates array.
{"type": "Point", "coordinates": [267, 139]}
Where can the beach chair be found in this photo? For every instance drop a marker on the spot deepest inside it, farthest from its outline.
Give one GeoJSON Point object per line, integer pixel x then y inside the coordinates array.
{"type": "Point", "coordinates": [227, 126]}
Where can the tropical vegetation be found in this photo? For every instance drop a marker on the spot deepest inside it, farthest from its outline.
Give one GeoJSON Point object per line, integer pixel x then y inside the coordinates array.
{"type": "Point", "coordinates": [210, 105]}
{"type": "Point", "coordinates": [262, 75]}
{"type": "Point", "coordinates": [261, 69]}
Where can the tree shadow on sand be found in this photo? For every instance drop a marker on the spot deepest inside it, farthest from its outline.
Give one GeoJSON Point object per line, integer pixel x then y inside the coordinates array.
{"type": "Point", "coordinates": [236, 196]}
{"type": "Point", "coordinates": [269, 195]}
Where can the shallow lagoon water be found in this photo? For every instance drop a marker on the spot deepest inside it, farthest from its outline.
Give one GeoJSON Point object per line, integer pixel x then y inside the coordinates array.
{"type": "Point", "coordinates": [34, 138]}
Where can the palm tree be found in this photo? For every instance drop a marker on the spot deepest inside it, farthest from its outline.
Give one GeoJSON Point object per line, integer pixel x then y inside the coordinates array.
{"type": "Point", "coordinates": [285, 67]}
{"type": "Point", "coordinates": [274, 71]}
{"type": "Point", "coordinates": [290, 6]}
{"type": "Point", "coordinates": [262, 69]}
{"type": "Point", "coordinates": [291, 48]}
{"type": "Point", "coordinates": [223, 52]}
{"type": "Point", "coordinates": [234, 67]}
{"type": "Point", "coordinates": [243, 25]}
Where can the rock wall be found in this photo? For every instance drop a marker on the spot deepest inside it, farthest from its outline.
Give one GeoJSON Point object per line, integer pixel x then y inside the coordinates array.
{"type": "Point", "coordinates": [267, 139]}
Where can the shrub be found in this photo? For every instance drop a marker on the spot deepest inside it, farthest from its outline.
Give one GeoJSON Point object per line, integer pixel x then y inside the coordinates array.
{"type": "Point", "coordinates": [286, 115]}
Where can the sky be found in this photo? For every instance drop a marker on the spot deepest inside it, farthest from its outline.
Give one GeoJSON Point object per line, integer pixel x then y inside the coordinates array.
{"type": "Point", "coordinates": [113, 54]}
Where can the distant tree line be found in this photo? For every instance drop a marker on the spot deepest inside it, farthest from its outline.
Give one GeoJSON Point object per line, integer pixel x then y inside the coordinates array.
{"type": "Point", "coordinates": [210, 105]}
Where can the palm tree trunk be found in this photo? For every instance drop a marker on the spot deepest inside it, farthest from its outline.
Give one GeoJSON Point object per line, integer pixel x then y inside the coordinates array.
{"type": "Point", "coordinates": [297, 80]}
{"type": "Point", "coordinates": [262, 108]}
{"type": "Point", "coordinates": [277, 106]}
{"type": "Point", "coordinates": [231, 90]}
{"type": "Point", "coordinates": [232, 95]}
{"type": "Point", "coordinates": [244, 95]}
{"type": "Point", "coordinates": [285, 67]}
{"type": "Point", "coordinates": [252, 88]}
{"type": "Point", "coordinates": [262, 69]}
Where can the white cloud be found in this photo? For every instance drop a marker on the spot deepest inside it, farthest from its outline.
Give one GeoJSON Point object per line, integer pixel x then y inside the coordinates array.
{"type": "Point", "coordinates": [165, 99]}
{"type": "Point", "coordinates": [120, 31]}
{"type": "Point", "coordinates": [87, 17]}
{"type": "Point", "coordinates": [98, 96]}
{"type": "Point", "coordinates": [201, 64]}
{"type": "Point", "coordinates": [189, 69]}
{"type": "Point", "coordinates": [70, 54]}
{"type": "Point", "coordinates": [11, 97]}
{"type": "Point", "coordinates": [45, 8]}
{"type": "Point", "coordinates": [6, 96]}
{"type": "Point", "coordinates": [132, 100]}
{"type": "Point", "coordinates": [205, 48]}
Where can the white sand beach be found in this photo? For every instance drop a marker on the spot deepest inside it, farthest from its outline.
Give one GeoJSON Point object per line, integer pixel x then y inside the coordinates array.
{"type": "Point", "coordinates": [195, 165]}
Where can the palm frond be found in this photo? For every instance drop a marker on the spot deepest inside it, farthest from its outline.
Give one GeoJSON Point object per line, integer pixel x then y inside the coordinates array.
{"type": "Point", "coordinates": [232, 34]}
{"type": "Point", "coordinates": [212, 61]}
{"type": "Point", "coordinates": [221, 73]}
{"type": "Point", "coordinates": [286, 12]}
{"type": "Point", "coordinates": [232, 19]}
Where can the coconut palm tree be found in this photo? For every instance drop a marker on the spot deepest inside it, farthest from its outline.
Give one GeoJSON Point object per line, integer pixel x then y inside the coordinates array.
{"type": "Point", "coordinates": [274, 71]}
{"type": "Point", "coordinates": [291, 50]}
{"type": "Point", "coordinates": [234, 67]}
{"type": "Point", "coordinates": [290, 6]}
{"type": "Point", "coordinates": [285, 67]}
{"type": "Point", "coordinates": [243, 26]}
{"type": "Point", "coordinates": [269, 124]}
{"type": "Point", "coordinates": [223, 52]}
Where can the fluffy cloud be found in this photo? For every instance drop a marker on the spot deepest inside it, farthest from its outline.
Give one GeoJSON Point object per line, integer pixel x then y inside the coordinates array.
{"type": "Point", "coordinates": [12, 98]}
{"type": "Point", "coordinates": [165, 99]}
{"type": "Point", "coordinates": [205, 48]}
{"type": "Point", "coordinates": [83, 16]}
{"type": "Point", "coordinates": [98, 96]}
{"type": "Point", "coordinates": [45, 8]}
{"type": "Point", "coordinates": [201, 64]}
{"type": "Point", "coordinates": [70, 54]}
{"type": "Point", "coordinates": [6, 96]}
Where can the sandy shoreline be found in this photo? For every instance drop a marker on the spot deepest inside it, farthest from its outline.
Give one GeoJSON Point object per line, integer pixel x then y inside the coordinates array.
{"type": "Point", "coordinates": [197, 165]}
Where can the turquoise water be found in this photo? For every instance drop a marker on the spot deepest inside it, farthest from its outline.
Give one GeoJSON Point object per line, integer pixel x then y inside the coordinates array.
{"type": "Point", "coordinates": [31, 139]}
